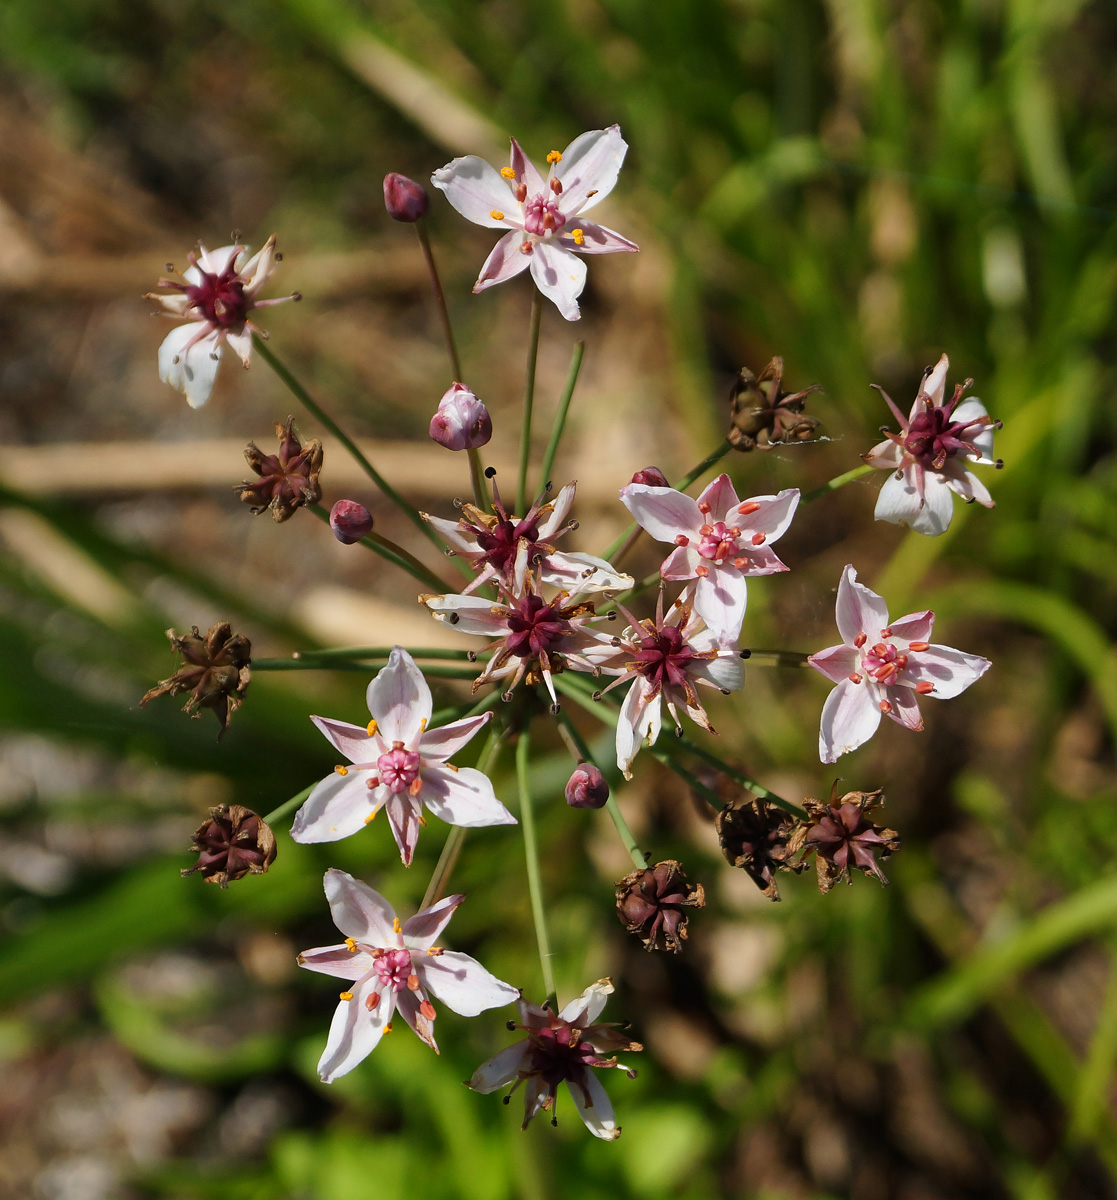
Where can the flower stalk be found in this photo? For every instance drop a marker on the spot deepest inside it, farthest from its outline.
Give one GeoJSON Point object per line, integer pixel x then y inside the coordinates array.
{"type": "Point", "coordinates": [531, 855]}
{"type": "Point", "coordinates": [576, 356]}
{"type": "Point", "coordinates": [391, 552]}
{"type": "Point", "coordinates": [529, 397]}
{"type": "Point", "coordinates": [835, 483]}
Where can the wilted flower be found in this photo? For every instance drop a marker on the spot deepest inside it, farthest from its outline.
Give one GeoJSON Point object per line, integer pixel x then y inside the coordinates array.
{"type": "Point", "coordinates": [650, 903]}
{"type": "Point", "coordinates": [231, 843]}
{"type": "Point", "coordinates": [586, 787]}
{"type": "Point", "coordinates": [881, 668]}
{"type": "Point", "coordinates": [216, 671]}
{"type": "Point", "coordinates": [546, 230]}
{"type": "Point", "coordinates": [665, 659]}
{"type": "Point", "coordinates": [763, 416]}
{"type": "Point", "coordinates": [218, 293]}
{"type": "Point", "coordinates": [350, 521]}
{"type": "Point", "coordinates": [719, 541]}
{"type": "Point", "coordinates": [928, 458]}
{"type": "Point", "coordinates": [288, 479]}
{"type": "Point", "coordinates": [405, 199]}
{"type": "Point", "coordinates": [392, 965]}
{"type": "Point", "coordinates": [490, 542]}
{"type": "Point", "coordinates": [843, 839]}
{"type": "Point", "coordinates": [559, 1049]}
{"type": "Point", "coordinates": [399, 764]}
{"type": "Point", "coordinates": [754, 836]}
{"type": "Point", "coordinates": [462, 421]}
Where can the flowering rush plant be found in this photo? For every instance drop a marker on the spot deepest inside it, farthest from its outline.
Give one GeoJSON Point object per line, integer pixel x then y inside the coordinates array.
{"type": "Point", "coordinates": [557, 641]}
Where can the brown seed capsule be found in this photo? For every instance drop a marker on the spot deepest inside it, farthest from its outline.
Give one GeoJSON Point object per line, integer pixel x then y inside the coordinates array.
{"type": "Point", "coordinates": [754, 836]}
{"type": "Point", "coordinates": [231, 843]}
{"type": "Point", "coordinates": [650, 904]}
{"type": "Point", "coordinates": [842, 837]}
{"type": "Point", "coordinates": [288, 479]}
{"type": "Point", "coordinates": [762, 415]}
{"type": "Point", "coordinates": [216, 671]}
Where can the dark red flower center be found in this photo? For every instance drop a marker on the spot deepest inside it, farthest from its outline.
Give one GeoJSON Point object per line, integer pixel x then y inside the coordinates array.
{"type": "Point", "coordinates": [663, 656]}
{"type": "Point", "coordinates": [499, 543]}
{"type": "Point", "coordinates": [220, 298]}
{"type": "Point", "coordinates": [558, 1054]}
{"type": "Point", "coordinates": [535, 627]}
{"type": "Point", "coordinates": [932, 437]}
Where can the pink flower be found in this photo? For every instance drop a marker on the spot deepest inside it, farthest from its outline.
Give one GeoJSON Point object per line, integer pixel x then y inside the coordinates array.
{"type": "Point", "coordinates": [928, 456]}
{"type": "Point", "coordinates": [216, 298]}
{"type": "Point", "coordinates": [462, 422]}
{"type": "Point", "coordinates": [392, 965]}
{"type": "Point", "coordinates": [881, 668]}
{"type": "Point", "coordinates": [400, 765]}
{"type": "Point", "coordinates": [543, 216]}
{"type": "Point", "coordinates": [562, 1049]}
{"type": "Point", "coordinates": [719, 541]}
{"type": "Point", "coordinates": [665, 659]}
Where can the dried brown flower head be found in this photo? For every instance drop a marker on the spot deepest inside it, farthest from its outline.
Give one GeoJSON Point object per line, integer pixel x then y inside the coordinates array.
{"type": "Point", "coordinates": [754, 836]}
{"type": "Point", "coordinates": [231, 843]}
{"type": "Point", "coordinates": [215, 671]}
{"type": "Point", "coordinates": [650, 903]}
{"type": "Point", "coordinates": [842, 837]}
{"type": "Point", "coordinates": [762, 415]}
{"type": "Point", "coordinates": [288, 479]}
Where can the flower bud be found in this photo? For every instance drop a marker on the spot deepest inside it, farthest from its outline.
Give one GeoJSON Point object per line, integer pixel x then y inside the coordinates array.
{"type": "Point", "coordinates": [404, 199]}
{"type": "Point", "coordinates": [462, 421]}
{"type": "Point", "coordinates": [350, 521]}
{"type": "Point", "coordinates": [231, 843]}
{"type": "Point", "coordinates": [586, 787]}
{"type": "Point", "coordinates": [650, 904]}
{"type": "Point", "coordinates": [652, 476]}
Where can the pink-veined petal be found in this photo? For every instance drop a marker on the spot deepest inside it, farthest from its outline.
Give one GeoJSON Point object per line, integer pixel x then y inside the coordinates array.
{"type": "Point", "coordinates": [452, 532]}
{"type": "Point", "coordinates": [476, 189]}
{"type": "Point", "coordinates": [463, 797]}
{"type": "Point", "coordinates": [468, 614]}
{"type": "Point", "coordinates": [240, 342]}
{"type": "Point", "coordinates": [423, 929]}
{"type": "Point", "coordinates": [720, 599]}
{"type": "Point", "coordinates": [502, 1068]}
{"type": "Point", "coordinates": [951, 671]}
{"type": "Point", "coordinates": [338, 961]}
{"type": "Point", "coordinates": [560, 276]}
{"type": "Point", "coordinates": [526, 171]}
{"type": "Point", "coordinates": [836, 662]}
{"type": "Point", "coordinates": [594, 1107]}
{"type": "Point", "coordinates": [358, 911]}
{"type": "Point", "coordinates": [339, 806]}
{"type": "Point", "coordinates": [938, 510]}
{"type": "Point", "coordinates": [589, 168]}
{"type": "Point", "coordinates": [403, 813]}
{"type": "Point", "coordinates": [904, 708]}
{"type": "Point", "coordinates": [859, 609]}
{"type": "Point", "coordinates": [596, 239]}
{"type": "Point", "coordinates": [934, 385]}
{"type": "Point", "coordinates": [410, 1005]}
{"type": "Point", "coordinates": [505, 262]}
{"type": "Point", "coordinates": [559, 508]}
{"type": "Point", "coordinates": [772, 518]}
{"type": "Point", "coordinates": [399, 699]}
{"type": "Point", "coordinates": [761, 560]}
{"type": "Point", "coordinates": [663, 512]}
{"type": "Point", "coordinates": [192, 371]}
{"type": "Point", "coordinates": [637, 721]}
{"type": "Point", "coordinates": [850, 717]}
{"type": "Point", "coordinates": [463, 984]}
{"type": "Point", "coordinates": [681, 563]}
{"type": "Point", "coordinates": [723, 500]}
{"type": "Point", "coordinates": [886, 454]}
{"type": "Point", "coordinates": [726, 672]}
{"type": "Point", "coordinates": [915, 627]}
{"type": "Point", "coordinates": [437, 745]}
{"type": "Point", "coordinates": [355, 1030]}
{"type": "Point", "coordinates": [353, 741]}
{"type": "Point", "coordinates": [586, 1008]}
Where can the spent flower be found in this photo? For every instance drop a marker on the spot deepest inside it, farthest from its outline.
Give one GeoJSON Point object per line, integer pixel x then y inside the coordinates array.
{"type": "Point", "coordinates": [755, 836]}
{"type": "Point", "coordinates": [651, 904]}
{"type": "Point", "coordinates": [232, 842]}
{"type": "Point", "coordinates": [288, 479]}
{"type": "Point", "coordinates": [216, 671]}
{"type": "Point", "coordinates": [843, 838]}
{"type": "Point", "coordinates": [763, 415]}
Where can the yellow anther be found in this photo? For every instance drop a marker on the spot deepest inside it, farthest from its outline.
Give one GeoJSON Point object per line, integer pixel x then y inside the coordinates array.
{"type": "Point", "coordinates": [422, 821]}
{"type": "Point", "coordinates": [554, 157]}
{"type": "Point", "coordinates": [496, 214]}
{"type": "Point", "coordinates": [371, 728]}
{"type": "Point", "coordinates": [434, 951]}
{"type": "Point", "coordinates": [345, 996]}
{"type": "Point", "coordinates": [578, 236]}
{"type": "Point", "coordinates": [507, 173]}
{"type": "Point", "coordinates": [396, 925]}
{"type": "Point", "coordinates": [388, 1027]}
{"type": "Point", "coordinates": [450, 767]}
{"type": "Point", "coordinates": [371, 815]}
{"type": "Point", "coordinates": [423, 725]}
{"type": "Point", "coordinates": [342, 770]}
{"type": "Point", "coordinates": [351, 945]}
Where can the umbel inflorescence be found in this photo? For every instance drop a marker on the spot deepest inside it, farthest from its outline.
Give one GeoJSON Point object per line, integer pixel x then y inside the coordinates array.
{"type": "Point", "coordinates": [548, 628]}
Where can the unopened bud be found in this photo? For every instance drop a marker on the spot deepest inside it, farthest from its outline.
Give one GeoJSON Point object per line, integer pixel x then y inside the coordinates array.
{"type": "Point", "coordinates": [462, 421]}
{"type": "Point", "coordinates": [586, 787]}
{"type": "Point", "coordinates": [652, 476]}
{"type": "Point", "coordinates": [404, 199]}
{"type": "Point", "coordinates": [350, 521]}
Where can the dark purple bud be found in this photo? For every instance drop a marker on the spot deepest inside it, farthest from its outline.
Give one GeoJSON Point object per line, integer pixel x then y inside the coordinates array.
{"type": "Point", "coordinates": [652, 476]}
{"type": "Point", "coordinates": [462, 421]}
{"type": "Point", "coordinates": [404, 199]}
{"type": "Point", "coordinates": [350, 521]}
{"type": "Point", "coordinates": [586, 787]}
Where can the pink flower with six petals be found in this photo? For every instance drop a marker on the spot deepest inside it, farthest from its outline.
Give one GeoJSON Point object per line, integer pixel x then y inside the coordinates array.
{"type": "Point", "coordinates": [398, 764]}
{"type": "Point", "coordinates": [392, 966]}
{"type": "Point", "coordinates": [881, 668]}
{"type": "Point", "coordinates": [543, 216]}
{"type": "Point", "coordinates": [719, 540]}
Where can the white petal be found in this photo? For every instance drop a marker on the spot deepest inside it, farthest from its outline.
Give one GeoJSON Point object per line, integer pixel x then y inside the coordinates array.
{"type": "Point", "coordinates": [722, 498]}
{"type": "Point", "coordinates": [338, 961]}
{"type": "Point", "coordinates": [410, 1005]}
{"type": "Point", "coordinates": [464, 797]}
{"type": "Point", "coordinates": [452, 532]}
{"type": "Point", "coordinates": [662, 512]}
{"type": "Point", "coordinates": [963, 482]}
{"type": "Point", "coordinates": [637, 721]}
{"type": "Point", "coordinates": [351, 740]}
{"type": "Point", "coordinates": [462, 983]}
{"type": "Point", "coordinates": [591, 163]}
{"type": "Point", "coordinates": [358, 911]}
{"type": "Point", "coordinates": [502, 1068]}
{"type": "Point", "coordinates": [836, 662]}
{"type": "Point", "coordinates": [720, 599]}
{"type": "Point", "coordinates": [938, 511]}
{"type": "Point", "coordinates": [884, 454]}
{"type": "Point", "coordinates": [596, 239]}
{"type": "Point", "coordinates": [506, 260]}
{"type": "Point", "coordinates": [971, 410]}
{"type": "Point", "coordinates": [849, 718]}
{"type": "Point", "coordinates": [727, 671]}
{"type": "Point", "coordinates": [595, 1108]}
{"type": "Point", "coordinates": [773, 516]}
{"type": "Point", "coordinates": [560, 276]}
{"type": "Point", "coordinates": [915, 627]}
{"type": "Point", "coordinates": [469, 614]}
{"type": "Point", "coordinates": [560, 507]}
{"type": "Point", "coordinates": [589, 1005]}
{"type": "Point", "coordinates": [934, 385]}
{"type": "Point", "coordinates": [950, 670]}
{"type": "Point", "coordinates": [437, 745]}
{"type": "Point", "coordinates": [339, 806]}
{"type": "Point", "coordinates": [904, 708]}
{"type": "Point", "coordinates": [859, 610]}
{"type": "Point", "coordinates": [403, 812]}
{"type": "Point", "coordinates": [422, 930]}
{"type": "Point", "coordinates": [399, 699]}
{"type": "Point", "coordinates": [898, 501]}
{"type": "Point", "coordinates": [476, 189]}
{"type": "Point", "coordinates": [354, 1031]}
{"type": "Point", "coordinates": [190, 371]}
{"type": "Point", "coordinates": [582, 573]}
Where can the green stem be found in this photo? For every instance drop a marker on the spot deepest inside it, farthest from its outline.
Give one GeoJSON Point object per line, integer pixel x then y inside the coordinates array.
{"type": "Point", "coordinates": [688, 777]}
{"type": "Point", "coordinates": [776, 658]}
{"type": "Point", "coordinates": [303, 396]}
{"type": "Point", "coordinates": [440, 301]}
{"type": "Point", "coordinates": [393, 553]}
{"type": "Point", "coordinates": [531, 854]}
{"type": "Point", "coordinates": [703, 466]}
{"type": "Point", "coordinates": [383, 652]}
{"type": "Point", "coordinates": [436, 671]}
{"type": "Point", "coordinates": [564, 407]}
{"type": "Point", "coordinates": [757, 789]}
{"type": "Point", "coordinates": [477, 480]}
{"type": "Point", "coordinates": [288, 806]}
{"type": "Point", "coordinates": [529, 397]}
{"type": "Point", "coordinates": [835, 483]}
